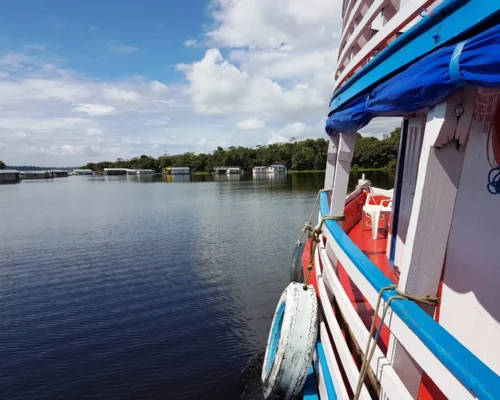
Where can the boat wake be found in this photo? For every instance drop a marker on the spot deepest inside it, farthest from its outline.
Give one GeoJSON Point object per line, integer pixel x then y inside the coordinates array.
{"type": "Point", "coordinates": [249, 386]}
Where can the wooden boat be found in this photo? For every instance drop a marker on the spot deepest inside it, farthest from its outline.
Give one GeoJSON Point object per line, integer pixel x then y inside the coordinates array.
{"type": "Point", "coordinates": [407, 280]}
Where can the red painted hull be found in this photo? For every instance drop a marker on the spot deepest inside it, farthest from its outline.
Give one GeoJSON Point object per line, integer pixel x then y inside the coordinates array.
{"type": "Point", "coordinates": [375, 250]}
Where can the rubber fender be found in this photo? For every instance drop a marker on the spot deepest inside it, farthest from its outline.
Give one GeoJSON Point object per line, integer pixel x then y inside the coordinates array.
{"type": "Point", "coordinates": [291, 343]}
{"type": "Point", "coordinates": [296, 270]}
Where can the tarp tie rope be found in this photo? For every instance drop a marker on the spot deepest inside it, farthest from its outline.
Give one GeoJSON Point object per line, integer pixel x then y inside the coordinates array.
{"type": "Point", "coordinates": [454, 67]}
{"type": "Point", "coordinates": [371, 344]}
{"type": "Point", "coordinates": [315, 239]}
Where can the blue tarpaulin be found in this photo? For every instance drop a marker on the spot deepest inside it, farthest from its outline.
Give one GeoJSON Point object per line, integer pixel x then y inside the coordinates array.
{"type": "Point", "coordinates": [425, 83]}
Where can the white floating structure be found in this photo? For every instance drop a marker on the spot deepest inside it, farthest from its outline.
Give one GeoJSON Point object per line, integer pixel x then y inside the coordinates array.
{"type": "Point", "coordinates": [180, 171]}
{"type": "Point", "coordinates": [259, 170]}
{"type": "Point", "coordinates": [234, 171]}
{"type": "Point", "coordinates": [220, 171]}
{"type": "Point", "coordinates": [145, 171]}
{"type": "Point", "coordinates": [277, 169]}
{"type": "Point", "coordinates": [83, 172]}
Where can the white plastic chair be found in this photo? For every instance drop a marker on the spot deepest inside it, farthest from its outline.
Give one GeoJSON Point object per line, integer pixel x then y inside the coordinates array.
{"type": "Point", "coordinates": [377, 212]}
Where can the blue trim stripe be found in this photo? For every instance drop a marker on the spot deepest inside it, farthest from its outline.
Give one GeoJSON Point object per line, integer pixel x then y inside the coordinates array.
{"type": "Point", "coordinates": [330, 389]}
{"type": "Point", "coordinates": [465, 366]}
{"type": "Point", "coordinates": [275, 336]}
{"type": "Point", "coordinates": [310, 391]}
{"type": "Point", "coordinates": [449, 20]}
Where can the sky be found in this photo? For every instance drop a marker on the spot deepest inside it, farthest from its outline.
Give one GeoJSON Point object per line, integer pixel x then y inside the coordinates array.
{"type": "Point", "coordinates": [86, 81]}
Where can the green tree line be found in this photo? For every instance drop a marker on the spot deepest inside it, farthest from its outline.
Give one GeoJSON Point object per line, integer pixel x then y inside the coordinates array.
{"type": "Point", "coordinates": [308, 154]}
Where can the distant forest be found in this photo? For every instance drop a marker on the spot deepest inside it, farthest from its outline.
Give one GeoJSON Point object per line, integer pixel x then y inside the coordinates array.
{"type": "Point", "coordinates": [304, 155]}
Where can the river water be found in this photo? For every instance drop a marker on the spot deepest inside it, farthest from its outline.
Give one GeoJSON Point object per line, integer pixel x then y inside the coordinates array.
{"type": "Point", "coordinates": [144, 287]}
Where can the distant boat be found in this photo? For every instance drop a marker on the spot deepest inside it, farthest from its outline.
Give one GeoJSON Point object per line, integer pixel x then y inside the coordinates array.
{"type": "Point", "coordinates": [145, 171]}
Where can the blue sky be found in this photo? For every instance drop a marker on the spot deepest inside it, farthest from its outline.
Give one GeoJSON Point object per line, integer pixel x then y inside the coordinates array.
{"type": "Point", "coordinates": [89, 35]}
{"type": "Point", "coordinates": [94, 80]}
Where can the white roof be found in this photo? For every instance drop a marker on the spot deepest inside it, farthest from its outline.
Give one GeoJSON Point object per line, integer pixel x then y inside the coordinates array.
{"type": "Point", "coordinates": [9, 171]}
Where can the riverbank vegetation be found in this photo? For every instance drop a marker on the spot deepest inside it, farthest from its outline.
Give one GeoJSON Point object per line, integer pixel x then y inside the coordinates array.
{"type": "Point", "coordinates": [303, 155]}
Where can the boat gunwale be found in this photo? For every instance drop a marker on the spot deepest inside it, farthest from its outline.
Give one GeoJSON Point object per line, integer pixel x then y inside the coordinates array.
{"type": "Point", "coordinates": [471, 372]}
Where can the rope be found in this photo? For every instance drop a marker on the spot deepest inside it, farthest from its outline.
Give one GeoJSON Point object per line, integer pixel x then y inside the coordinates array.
{"type": "Point", "coordinates": [493, 185]}
{"type": "Point", "coordinates": [371, 345]}
{"type": "Point", "coordinates": [314, 236]}
{"type": "Point", "coordinates": [308, 225]}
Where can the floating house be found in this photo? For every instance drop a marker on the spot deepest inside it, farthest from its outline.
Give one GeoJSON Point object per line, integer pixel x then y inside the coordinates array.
{"type": "Point", "coordinates": [234, 171]}
{"type": "Point", "coordinates": [181, 171]}
{"type": "Point", "coordinates": [83, 172]}
{"type": "Point", "coordinates": [177, 171]}
{"type": "Point", "coordinates": [37, 174]}
{"type": "Point", "coordinates": [145, 171]}
{"type": "Point", "coordinates": [259, 170]}
{"type": "Point", "coordinates": [60, 173]}
{"type": "Point", "coordinates": [115, 171]}
{"type": "Point", "coordinates": [10, 176]}
{"type": "Point", "coordinates": [220, 171]}
{"type": "Point", "coordinates": [277, 169]}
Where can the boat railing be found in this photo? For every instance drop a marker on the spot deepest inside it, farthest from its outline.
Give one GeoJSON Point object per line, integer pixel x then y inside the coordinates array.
{"type": "Point", "coordinates": [453, 368]}
{"type": "Point", "coordinates": [369, 26]}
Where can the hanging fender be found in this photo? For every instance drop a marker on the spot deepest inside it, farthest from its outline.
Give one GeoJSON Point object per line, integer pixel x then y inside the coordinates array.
{"type": "Point", "coordinates": [291, 343]}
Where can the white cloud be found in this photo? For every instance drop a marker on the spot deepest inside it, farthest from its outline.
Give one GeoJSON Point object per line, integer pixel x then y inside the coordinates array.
{"type": "Point", "coordinates": [219, 87]}
{"type": "Point", "coordinates": [295, 130]}
{"type": "Point", "coordinates": [115, 93]}
{"type": "Point", "coordinates": [94, 109]}
{"type": "Point", "coordinates": [190, 43]}
{"type": "Point", "coordinates": [266, 24]}
{"type": "Point", "coordinates": [251, 123]}
{"type": "Point", "coordinates": [158, 87]}
{"type": "Point", "coordinates": [93, 132]}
